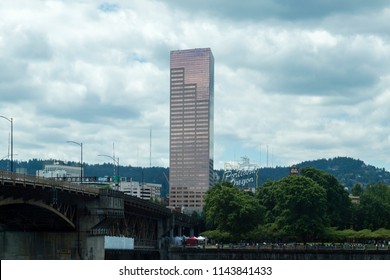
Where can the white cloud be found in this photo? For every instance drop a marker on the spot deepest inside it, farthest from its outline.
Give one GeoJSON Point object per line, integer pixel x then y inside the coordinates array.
{"type": "Point", "coordinates": [308, 82]}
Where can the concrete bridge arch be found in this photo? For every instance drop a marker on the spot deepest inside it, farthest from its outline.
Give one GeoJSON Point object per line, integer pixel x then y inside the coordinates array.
{"type": "Point", "coordinates": [18, 213]}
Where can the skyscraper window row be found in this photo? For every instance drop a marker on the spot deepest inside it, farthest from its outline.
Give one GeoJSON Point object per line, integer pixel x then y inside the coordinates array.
{"type": "Point", "coordinates": [176, 114]}
{"type": "Point", "coordinates": [190, 86]}
{"type": "Point", "coordinates": [201, 150]}
{"type": "Point", "coordinates": [177, 150]}
{"type": "Point", "coordinates": [176, 76]}
{"type": "Point", "coordinates": [187, 100]}
{"type": "Point", "coordinates": [203, 110]}
{"type": "Point", "coordinates": [177, 99]}
{"type": "Point", "coordinates": [177, 85]}
{"type": "Point", "coordinates": [177, 95]}
{"type": "Point", "coordinates": [202, 114]}
{"type": "Point", "coordinates": [176, 127]}
{"type": "Point", "coordinates": [176, 90]}
{"type": "Point", "coordinates": [177, 71]}
{"type": "Point", "coordinates": [177, 107]}
{"type": "Point", "coordinates": [189, 132]}
{"type": "Point", "coordinates": [202, 125]}
{"type": "Point", "coordinates": [177, 130]}
{"type": "Point", "coordinates": [177, 138]}
{"type": "Point", "coordinates": [177, 103]}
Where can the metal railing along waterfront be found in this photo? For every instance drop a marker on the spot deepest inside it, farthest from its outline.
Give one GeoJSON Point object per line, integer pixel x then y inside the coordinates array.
{"type": "Point", "coordinates": [25, 179]}
{"type": "Point", "coordinates": [385, 246]}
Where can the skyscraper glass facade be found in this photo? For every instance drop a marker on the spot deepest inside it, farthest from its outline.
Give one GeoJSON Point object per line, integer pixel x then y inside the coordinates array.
{"type": "Point", "coordinates": [191, 127]}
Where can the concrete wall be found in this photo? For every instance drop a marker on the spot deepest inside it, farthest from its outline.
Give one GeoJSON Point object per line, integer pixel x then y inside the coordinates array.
{"type": "Point", "coordinates": [38, 245]}
{"type": "Point", "coordinates": [95, 248]}
{"type": "Point", "coordinates": [235, 254]}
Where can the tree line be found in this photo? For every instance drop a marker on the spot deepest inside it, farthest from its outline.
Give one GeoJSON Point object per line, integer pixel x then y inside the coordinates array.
{"type": "Point", "coordinates": [312, 206]}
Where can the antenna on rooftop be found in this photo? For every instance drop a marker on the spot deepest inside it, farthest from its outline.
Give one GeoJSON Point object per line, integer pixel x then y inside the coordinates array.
{"type": "Point", "coordinates": [267, 155]}
{"type": "Point", "coordinates": [150, 147]}
{"type": "Point", "coordinates": [113, 156]}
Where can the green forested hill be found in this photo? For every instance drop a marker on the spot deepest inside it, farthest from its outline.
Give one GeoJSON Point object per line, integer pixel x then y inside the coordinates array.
{"type": "Point", "coordinates": [348, 171]}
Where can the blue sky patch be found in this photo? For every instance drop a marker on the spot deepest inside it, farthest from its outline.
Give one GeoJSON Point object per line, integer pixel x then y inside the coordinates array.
{"type": "Point", "coordinates": [108, 7]}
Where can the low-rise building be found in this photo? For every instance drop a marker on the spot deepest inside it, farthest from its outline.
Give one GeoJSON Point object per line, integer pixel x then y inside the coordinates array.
{"type": "Point", "coordinates": [58, 170]}
{"type": "Point", "coordinates": [149, 191]}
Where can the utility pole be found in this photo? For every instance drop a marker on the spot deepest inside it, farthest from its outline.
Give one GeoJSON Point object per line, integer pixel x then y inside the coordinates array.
{"type": "Point", "coordinates": [12, 141]}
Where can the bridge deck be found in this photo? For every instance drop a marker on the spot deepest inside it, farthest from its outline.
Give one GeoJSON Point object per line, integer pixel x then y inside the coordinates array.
{"type": "Point", "coordinates": [8, 178]}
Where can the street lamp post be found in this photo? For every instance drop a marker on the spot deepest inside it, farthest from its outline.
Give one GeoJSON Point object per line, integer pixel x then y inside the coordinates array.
{"type": "Point", "coordinates": [81, 163]}
{"type": "Point", "coordinates": [116, 162]}
{"type": "Point", "coordinates": [12, 141]}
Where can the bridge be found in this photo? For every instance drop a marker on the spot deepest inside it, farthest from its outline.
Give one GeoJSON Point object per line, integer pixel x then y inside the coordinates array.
{"type": "Point", "coordinates": [54, 219]}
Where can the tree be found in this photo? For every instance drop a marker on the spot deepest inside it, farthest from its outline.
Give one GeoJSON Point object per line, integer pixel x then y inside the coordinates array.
{"type": "Point", "coordinates": [232, 210]}
{"type": "Point", "coordinates": [357, 190]}
{"type": "Point", "coordinates": [339, 206]}
{"type": "Point", "coordinates": [295, 207]}
{"type": "Point", "coordinates": [373, 212]}
{"type": "Point", "coordinates": [266, 196]}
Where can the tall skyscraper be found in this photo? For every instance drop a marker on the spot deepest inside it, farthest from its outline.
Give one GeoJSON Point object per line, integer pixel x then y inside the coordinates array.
{"type": "Point", "coordinates": [191, 127]}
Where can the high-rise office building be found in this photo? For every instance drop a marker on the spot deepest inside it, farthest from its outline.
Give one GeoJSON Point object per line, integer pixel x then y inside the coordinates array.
{"type": "Point", "coordinates": [191, 127]}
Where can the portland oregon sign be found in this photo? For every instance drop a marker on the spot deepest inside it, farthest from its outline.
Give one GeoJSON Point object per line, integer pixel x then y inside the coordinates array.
{"type": "Point", "coordinates": [242, 175]}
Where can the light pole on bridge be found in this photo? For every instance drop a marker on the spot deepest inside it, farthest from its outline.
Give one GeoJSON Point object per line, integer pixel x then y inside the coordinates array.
{"type": "Point", "coordinates": [116, 162]}
{"type": "Point", "coordinates": [12, 141]}
{"type": "Point", "coordinates": [81, 163]}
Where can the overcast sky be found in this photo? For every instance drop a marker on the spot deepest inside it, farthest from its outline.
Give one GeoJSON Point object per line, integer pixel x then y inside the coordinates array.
{"type": "Point", "coordinates": [302, 80]}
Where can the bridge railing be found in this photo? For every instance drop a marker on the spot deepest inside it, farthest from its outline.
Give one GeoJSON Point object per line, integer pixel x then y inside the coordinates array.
{"type": "Point", "coordinates": [46, 182]}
